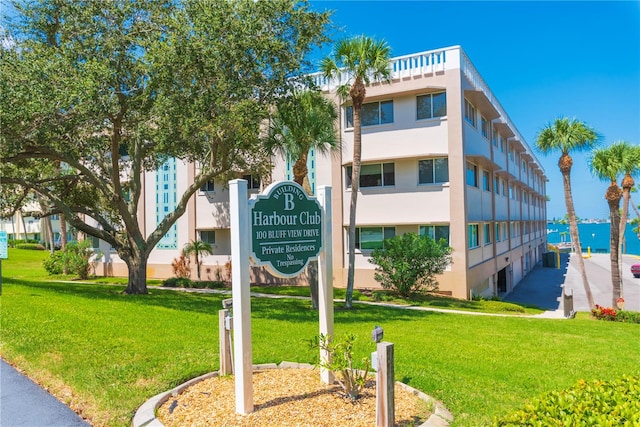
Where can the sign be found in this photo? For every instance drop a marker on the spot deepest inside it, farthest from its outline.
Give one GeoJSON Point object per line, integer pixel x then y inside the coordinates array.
{"type": "Point", "coordinates": [4, 244]}
{"type": "Point", "coordinates": [286, 228]}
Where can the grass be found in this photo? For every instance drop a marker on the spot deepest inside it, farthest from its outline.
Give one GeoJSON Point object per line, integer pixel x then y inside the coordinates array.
{"type": "Point", "coordinates": [106, 352]}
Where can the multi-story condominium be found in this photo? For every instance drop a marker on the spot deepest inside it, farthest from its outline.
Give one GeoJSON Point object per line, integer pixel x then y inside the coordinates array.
{"type": "Point", "coordinates": [440, 156]}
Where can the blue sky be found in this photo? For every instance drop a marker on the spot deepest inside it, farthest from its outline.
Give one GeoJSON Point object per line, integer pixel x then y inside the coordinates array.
{"type": "Point", "coordinates": [541, 59]}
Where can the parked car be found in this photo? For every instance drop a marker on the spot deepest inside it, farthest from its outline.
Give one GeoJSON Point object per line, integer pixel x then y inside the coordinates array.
{"type": "Point", "coordinates": [635, 270]}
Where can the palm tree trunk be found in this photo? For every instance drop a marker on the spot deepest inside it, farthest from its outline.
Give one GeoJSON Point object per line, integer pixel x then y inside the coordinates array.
{"type": "Point", "coordinates": [614, 214]}
{"type": "Point", "coordinates": [575, 238]}
{"type": "Point", "coordinates": [355, 186]}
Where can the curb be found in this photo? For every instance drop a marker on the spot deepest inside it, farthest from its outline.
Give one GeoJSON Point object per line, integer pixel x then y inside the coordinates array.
{"type": "Point", "coordinates": [145, 416]}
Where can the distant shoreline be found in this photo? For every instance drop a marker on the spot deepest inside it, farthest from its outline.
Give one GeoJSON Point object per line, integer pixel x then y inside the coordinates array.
{"type": "Point", "coordinates": [594, 236]}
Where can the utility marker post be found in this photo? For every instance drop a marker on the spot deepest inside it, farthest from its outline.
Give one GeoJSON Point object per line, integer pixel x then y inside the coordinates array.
{"type": "Point", "coordinates": [385, 383]}
{"type": "Point", "coordinates": [325, 278]}
{"type": "Point", "coordinates": [224, 340]}
{"type": "Point", "coordinates": [243, 364]}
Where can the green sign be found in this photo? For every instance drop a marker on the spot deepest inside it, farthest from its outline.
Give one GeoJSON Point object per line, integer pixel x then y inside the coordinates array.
{"type": "Point", "coordinates": [4, 243]}
{"type": "Point", "coordinates": [286, 228]}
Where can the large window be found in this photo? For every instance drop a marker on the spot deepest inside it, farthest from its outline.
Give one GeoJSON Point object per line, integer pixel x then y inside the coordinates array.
{"type": "Point", "coordinates": [208, 236]}
{"type": "Point", "coordinates": [487, 233]}
{"type": "Point", "coordinates": [472, 175]}
{"type": "Point", "coordinates": [433, 171]}
{"type": "Point", "coordinates": [253, 181]}
{"type": "Point", "coordinates": [484, 126]}
{"type": "Point", "coordinates": [486, 181]}
{"type": "Point", "coordinates": [436, 232]}
{"type": "Point", "coordinates": [371, 113]}
{"type": "Point", "coordinates": [432, 105]}
{"type": "Point", "coordinates": [470, 113]}
{"type": "Point", "coordinates": [370, 238]}
{"type": "Point", "coordinates": [373, 175]}
{"type": "Point", "coordinates": [473, 236]}
{"type": "Point", "coordinates": [208, 186]}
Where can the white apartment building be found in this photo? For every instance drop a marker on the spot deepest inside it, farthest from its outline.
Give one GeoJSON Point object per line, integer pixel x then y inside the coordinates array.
{"type": "Point", "coordinates": [440, 156]}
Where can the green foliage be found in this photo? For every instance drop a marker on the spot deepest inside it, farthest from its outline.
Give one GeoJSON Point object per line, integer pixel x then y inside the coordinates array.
{"type": "Point", "coordinates": [30, 246]}
{"type": "Point", "coordinates": [589, 403]}
{"type": "Point", "coordinates": [75, 259]}
{"type": "Point", "coordinates": [611, 314]}
{"type": "Point", "coordinates": [408, 264]}
{"type": "Point", "coordinates": [198, 248]}
{"type": "Point", "coordinates": [177, 282]}
{"type": "Point", "coordinates": [12, 243]}
{"type": "Point", "coordinates": [340, 361]}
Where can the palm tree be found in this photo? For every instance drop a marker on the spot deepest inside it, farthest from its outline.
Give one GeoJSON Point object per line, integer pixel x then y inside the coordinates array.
{"type": "Point", "coordinates": [569, 135]}
{"type": "Point", "coordinates": [303, 122]}
{"type": "Point", "coordinates": [606, 163]}
{"type": "Point", "coordinates": [356, 60]}
{"type": "Point", "coordinates": [630, 167]}
{"type": "Point", "coordinates": [198, 248]}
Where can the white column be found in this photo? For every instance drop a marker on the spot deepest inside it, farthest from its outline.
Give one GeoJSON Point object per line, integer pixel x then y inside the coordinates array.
{"type": "Point", "coordinates": [325, 277]}
{"type": "Point", "coordinates": [243, 366]}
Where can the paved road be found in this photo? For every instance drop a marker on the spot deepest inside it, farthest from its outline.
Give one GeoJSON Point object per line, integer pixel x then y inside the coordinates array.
{"type": "Point", "coordinates": [23, 403]}
{"type": "Point", "coordinates": [543, 286]}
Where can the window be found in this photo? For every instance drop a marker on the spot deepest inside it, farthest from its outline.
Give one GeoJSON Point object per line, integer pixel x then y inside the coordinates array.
{"type": "Point", "coordinates": [487, 233]}
{"type": "Point", "coordinates": [370, 238]}
{"type": "Point", "coordinates": [484, 127]}
{"type": "Point", "coordinates": [430, 106]}
{"type": "Point", "coordinates": [503, 185]}
{"type": "Point", "coordinates": [503, 227]}
{"type": "Point", "coordinates": [373, 175]}
{"type": "Point", "coordinates": [372, 113]}
{"type": "Point", "coordinates": [472, 175]}
{"type": "Point", "coordinates": [436, 232]}
{"type": "Point", "coordinates": [497, 231]}
{"type": "Point", "coordinates": [473, 236]}
{"type": "Point", "coordinates": [253, 181]}
{"type": "Point", "coordinates": [495, 136]}
{"type": "Point", "coordinates": [208, 186]}
{"type": "Point", "coordinates": [208, 236]}
{"type": "Point", "coordinates": [486, 180]}
{"type": "Point", "coordinates": [496, 185]}
{"type": "Point", "coordinates": [470, 113]}
{"type": "Point", "coordinates": [432, 171]}
{"type": "Point", "coordinates": [512, 154]}
{"type": "Point", "coordinates": [502, 144]}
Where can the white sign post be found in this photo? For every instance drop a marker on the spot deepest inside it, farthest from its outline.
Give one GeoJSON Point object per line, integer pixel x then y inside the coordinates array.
{"type": "Point", "coordinates": [283, 229]}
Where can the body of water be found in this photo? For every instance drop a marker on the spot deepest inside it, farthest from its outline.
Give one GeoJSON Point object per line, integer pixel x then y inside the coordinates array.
{"type": "Point", "coordinates": [595, 236]}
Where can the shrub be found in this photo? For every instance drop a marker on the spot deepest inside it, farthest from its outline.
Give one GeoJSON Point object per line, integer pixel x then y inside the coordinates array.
{"type": "Point", "coordinates": [408, 264]}
{"type": "Point", "coordinates": [177, 282]}
{"type": "Point", "coordinates": [30, 246]}
{"type": "Point", "coordinates": [611, 314]}
{"type": "Point", "coordinates": [181, 266]}
{"type": "Point", "coordinates": [340, 361]}
{"type": "Point", "coordinates": [75, 259]}
{"type": "Point", "coordinates": [595, 403]}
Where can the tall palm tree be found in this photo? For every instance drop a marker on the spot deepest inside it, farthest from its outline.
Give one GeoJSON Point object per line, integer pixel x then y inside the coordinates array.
{"type": "Point", "coordinates": [303, 122]}
{"type": "Point", "coordinates": [606, 163]}
{"type": "Point", "coordinates": [198, 248]}
{"type": "Point", "coordinates": [357, 60]}
{"type": "Point", "coordinates": [569, 135]}
{"type": "Point", "coordinates": [630, 167]}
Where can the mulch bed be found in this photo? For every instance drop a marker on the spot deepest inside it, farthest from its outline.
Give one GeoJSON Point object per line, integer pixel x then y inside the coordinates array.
{"type": "Point", "coordinates": [285, 397]}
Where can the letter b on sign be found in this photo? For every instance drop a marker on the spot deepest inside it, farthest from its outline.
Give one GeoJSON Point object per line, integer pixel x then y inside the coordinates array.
{"type": "Point", "coordinates": [288, 202]}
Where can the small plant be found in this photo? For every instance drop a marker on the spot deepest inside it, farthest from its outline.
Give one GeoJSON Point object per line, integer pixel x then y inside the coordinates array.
{"type": "Point", "coordinates": [340, 361]}
{"type": "Point", "coordinates": [177, 282]}
{"type": "Point", "coordinates": [30, 246]}
{"type": "Point", "coordinates": [75, 259]}
{"type": "Point", "coordinates": [408, 264]}
{"type": "Point", "coordinates": [181, 266]}
{"type": "Point", "coordinates": [613, 315]}
{"type": "Point", "coordinates": [197, 248]}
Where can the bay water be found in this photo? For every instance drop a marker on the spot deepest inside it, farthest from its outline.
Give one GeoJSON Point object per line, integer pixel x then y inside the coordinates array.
{"type": "Point", "coordinates": [595, 236]}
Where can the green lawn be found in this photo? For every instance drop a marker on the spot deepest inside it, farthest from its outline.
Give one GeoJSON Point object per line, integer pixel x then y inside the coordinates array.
{"type": "Point", "coordinates": [106, 352]}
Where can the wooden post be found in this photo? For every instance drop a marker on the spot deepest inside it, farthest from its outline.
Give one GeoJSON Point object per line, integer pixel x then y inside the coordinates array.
{"type": "Point", "coordinates": [224, 338]}
{"type": "Point", "coordinates": [385, 383]}
{"type": "Point", "coordinates": [243, 366]}
{"type": "Point", "coordinates": [325, 278]}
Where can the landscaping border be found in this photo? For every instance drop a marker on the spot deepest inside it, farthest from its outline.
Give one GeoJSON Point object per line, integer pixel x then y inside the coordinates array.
{"type": "Point", "coordinates": [145, 416]}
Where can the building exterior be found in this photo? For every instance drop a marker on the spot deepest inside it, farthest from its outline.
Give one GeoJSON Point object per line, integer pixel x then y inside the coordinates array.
{"type": "Point", "coordinates": [440, 156]}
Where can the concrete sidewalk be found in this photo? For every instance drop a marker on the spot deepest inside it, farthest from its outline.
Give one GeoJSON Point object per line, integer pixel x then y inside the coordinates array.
{"type": "Point", "coordinates": [24, 403]}
{"type": "Point", "coordinates": [543, 286]}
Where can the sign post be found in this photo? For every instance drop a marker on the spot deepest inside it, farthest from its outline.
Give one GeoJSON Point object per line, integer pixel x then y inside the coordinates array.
{"type": "Point", "coordinates": [4, 253]}
{"type": "Point", "coordinates": [281, 229]}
